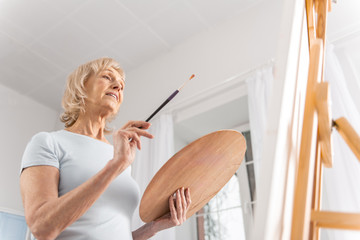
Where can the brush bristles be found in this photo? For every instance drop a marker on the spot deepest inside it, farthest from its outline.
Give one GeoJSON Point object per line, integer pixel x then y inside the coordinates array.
{"type": "Point", "coordinates": [192, 76]}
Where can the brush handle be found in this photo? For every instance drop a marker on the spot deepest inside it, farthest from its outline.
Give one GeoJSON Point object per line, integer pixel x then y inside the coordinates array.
{"type": "Point", "coordinates": [162, 105]}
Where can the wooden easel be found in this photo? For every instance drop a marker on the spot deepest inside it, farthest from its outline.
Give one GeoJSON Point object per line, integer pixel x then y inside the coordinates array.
{"type": "Point", "coordinates": [316, 143]}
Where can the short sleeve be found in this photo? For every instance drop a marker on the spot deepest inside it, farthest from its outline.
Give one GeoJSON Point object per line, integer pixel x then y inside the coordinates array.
{"type": "Point", "coordinates": [40, 151]}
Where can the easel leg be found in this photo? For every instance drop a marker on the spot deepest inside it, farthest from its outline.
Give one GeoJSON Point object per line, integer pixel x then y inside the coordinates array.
{"type": "Point", "coordinates": [314, 232]}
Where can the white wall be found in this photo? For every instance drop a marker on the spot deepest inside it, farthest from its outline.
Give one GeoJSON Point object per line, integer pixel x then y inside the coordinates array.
{"type": "Point", "coordinates": [21, 118]}
{"type": "Point", "coordinates": [237, 45]}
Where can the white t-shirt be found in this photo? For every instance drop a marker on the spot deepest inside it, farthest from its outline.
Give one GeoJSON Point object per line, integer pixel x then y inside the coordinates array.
{"type": "Point", "coordinates": [78, 158]}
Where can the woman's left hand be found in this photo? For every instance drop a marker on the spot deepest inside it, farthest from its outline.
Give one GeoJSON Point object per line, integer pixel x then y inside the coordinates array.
{"type": "Point", "coordinates": [179, 205]}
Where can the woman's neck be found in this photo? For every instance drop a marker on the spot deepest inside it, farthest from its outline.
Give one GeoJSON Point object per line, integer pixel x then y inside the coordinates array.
{"type": "Point", "coordinates": [91, 125]}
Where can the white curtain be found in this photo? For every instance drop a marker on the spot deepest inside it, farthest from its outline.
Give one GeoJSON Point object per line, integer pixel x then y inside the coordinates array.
{"type": "Point", "coordinates": [259, 88]}
{"type": "Point", "coordinates": [153, 155]}
{"type": "Point", "coordinates": [341, 190]}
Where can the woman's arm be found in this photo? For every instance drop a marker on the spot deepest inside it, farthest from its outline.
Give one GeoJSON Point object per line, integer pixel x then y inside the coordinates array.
{"type": "Point", "coordinates": [178, 205]}
{"type": "Point", "coordinates": [47, 215]}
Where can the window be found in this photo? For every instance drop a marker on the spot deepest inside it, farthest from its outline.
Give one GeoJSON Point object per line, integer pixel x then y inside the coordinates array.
{"type": "Point", "coordinates": [229, 215]}
{"type": "Point", "coordinates": [12, 226]}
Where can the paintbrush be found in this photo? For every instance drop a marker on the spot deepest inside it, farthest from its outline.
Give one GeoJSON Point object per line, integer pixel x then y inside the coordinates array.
{"type": "Point", "coordinates": [169, 98]}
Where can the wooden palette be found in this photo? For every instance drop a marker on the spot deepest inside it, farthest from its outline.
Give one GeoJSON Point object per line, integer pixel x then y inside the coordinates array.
{"type": "Point", "coordinates": [204, 166]}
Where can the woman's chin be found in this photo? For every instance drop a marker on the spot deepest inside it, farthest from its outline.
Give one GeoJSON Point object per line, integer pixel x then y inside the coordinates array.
{"type": "Point", "coordinates": [109, 110]}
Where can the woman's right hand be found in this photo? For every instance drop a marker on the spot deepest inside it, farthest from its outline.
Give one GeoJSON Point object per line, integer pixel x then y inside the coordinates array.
{"type": "Point", "coordinates": [126, 140]}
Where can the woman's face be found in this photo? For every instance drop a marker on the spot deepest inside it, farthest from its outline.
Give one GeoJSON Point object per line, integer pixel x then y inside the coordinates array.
{"type": "Point", "coordinates": [104, 92]}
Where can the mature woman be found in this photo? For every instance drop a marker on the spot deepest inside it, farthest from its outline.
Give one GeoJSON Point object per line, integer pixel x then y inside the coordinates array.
{"type": "Point", "coordinates": [74, 184]}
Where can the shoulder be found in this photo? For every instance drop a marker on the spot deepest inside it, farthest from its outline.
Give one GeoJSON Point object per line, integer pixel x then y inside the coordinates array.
{"type": "Point", "coordinates": [44, 139]}
{"type": "Point", "coordinates": [47, 137]}
{"type": "Point", "coordinates": [41, 136]}
{"type": "Point", "coordinates": [40, 150]}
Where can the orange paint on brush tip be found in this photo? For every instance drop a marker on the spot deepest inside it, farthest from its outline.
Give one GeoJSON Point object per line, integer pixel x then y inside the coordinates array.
{"type": "Point", "coordinates": [191, 77]}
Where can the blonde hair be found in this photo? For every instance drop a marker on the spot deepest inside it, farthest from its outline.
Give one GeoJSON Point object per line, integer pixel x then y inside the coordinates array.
{"type": "Point", "coordinates": [74, 97]}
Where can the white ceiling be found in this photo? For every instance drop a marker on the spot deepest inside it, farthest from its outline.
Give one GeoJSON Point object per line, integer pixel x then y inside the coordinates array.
{"type": "Point", "coordinates": [42, 41]}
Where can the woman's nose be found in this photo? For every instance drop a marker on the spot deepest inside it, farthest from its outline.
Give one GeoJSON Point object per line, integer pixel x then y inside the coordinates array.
{"type": "Point", "coordinates": [116, 85]}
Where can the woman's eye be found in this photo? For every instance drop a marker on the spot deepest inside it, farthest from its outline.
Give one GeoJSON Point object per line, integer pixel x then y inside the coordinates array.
{"type": "Point", "coordinates": [107, 77]}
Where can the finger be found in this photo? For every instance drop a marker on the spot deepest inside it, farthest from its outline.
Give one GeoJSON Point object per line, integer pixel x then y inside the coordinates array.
{"type": "Point", "coordinates": [134, 139]}
{"type": "Point", "coordinates": [137, 124]}
{"type": "Point", "coordinates": [172, 207]}
{"type": "Point", "coordinates": [141, 132]}
{"type": "Point", "coordinates": [137, 141]}
{"type": "Point", "coordinates": [184, 203]}
{"type": "Point", "coordinates": [142, 124]}
{"type": "Point", "coordinates": [183, 200]}
{"type": "Point", "coordinates": [188, 197]}
{"type": "Point", "coordinates": [178, 204]}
